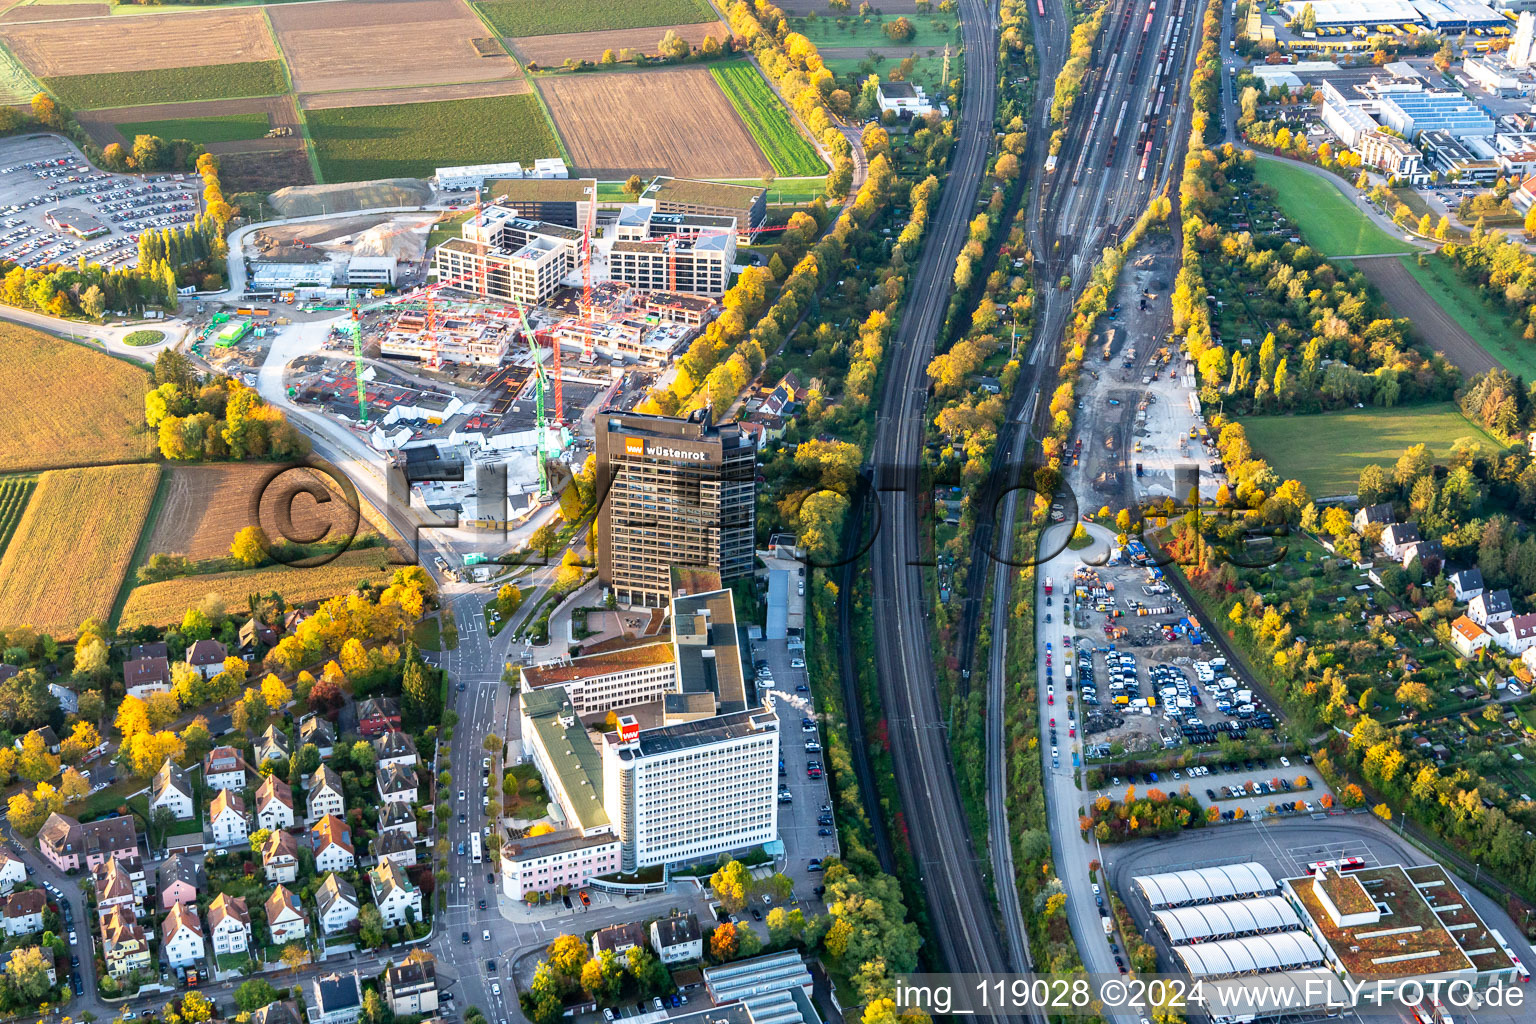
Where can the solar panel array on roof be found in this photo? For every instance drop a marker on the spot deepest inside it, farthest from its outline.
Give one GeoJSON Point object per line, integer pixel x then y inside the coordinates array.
{"type": "Point", "coordinates": [1227, 920]}
{"type": "Point", "coordinates": [1207, 885]}
{"type": "Point", "coordinates": [1251, 954]}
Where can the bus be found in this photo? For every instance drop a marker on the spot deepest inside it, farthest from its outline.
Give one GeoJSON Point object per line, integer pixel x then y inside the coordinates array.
{"type": "Point", "coordinates": [1343, 864]}
{"type": "Point", "coordinates": [474, 847]}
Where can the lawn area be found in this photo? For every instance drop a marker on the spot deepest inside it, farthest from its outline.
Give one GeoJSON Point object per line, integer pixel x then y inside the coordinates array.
{"type": "Point", "coordinates": [869, 30]}
{"type": "Point", "coordinates": [926, 71]}
{"type": "Point", "coordinates": [1487, 326]}
{"type": "Point", "coordinates": [170, 85]}
{"type": "Point", "coordinates": [218, 128]}
{"type": "Point", "coordinates": [531, 799]}
{"type": "Point", "coordinates": [428, 634]}
{"type": "Point", "coordinates": [410, 140]}
{"type": "Point", "coordinates": [1327, 451]}
{"type": "Point", "coordinates": [516, 18]}
{"type": "Point", "coordinates": [448, 227]}
{"type": "Point", "coordinates": [1329, 221]}
{"type": "Point", "coordinates": [772, 128]}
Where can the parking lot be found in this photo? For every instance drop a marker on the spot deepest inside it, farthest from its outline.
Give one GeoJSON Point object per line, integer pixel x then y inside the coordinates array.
{"type": "Point", "coordinates": [1257, 786]}
{"type": "Point", "coordinates": [43, 176]}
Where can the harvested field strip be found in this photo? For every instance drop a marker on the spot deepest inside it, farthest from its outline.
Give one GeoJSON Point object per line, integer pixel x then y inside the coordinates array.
{"type": "Point", "coordinates": [14, 492]}
{"type": "Point", "coordinates": [70, 553]}
{"type": "Point", "coordinates": [104, 45]}
{"type": "Point", "coordinates": [16, 85]}
{"type": "Point", "coordinates": [49, 12]}
{"type": "Point", "coordinates": [790, 152]}
{"type": "Point", "coordinates": [218, 128]}
{"type": "Point", "coordinates": [68, 405]}
{"type": "Point", "coordinates": [170, 85]}
{"type": "Point", "coordinates": [552, 50]}
{"type": "Point", "coordinates": [516, 18]}
{"type": "Point", "coordinates": [410, 140]}
{"type": "Point", "coordinates": [160, 604]}
{"type": "Point", "coordinates": [414, 94]}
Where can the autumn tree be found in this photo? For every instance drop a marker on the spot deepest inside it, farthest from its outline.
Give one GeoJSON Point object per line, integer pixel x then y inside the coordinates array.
{"type": "Point", "coordinates": [250, 546]}
{"type": "Point", "coordinates": [731, 885]}
{"type": "Point", "coordinates": [724, 942]}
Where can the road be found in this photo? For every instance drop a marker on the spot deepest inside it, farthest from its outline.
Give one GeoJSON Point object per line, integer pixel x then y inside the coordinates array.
{"type": "Point", "coordinates": [964, 925]}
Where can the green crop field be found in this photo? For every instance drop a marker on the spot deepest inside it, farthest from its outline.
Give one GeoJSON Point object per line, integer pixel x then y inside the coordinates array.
{"type": "Point", "coordinates": [516, 18]}
{"type": "Point", "coordinates": [1327, 451]}
{"type": "Point", "coordinates": [170, 85]}
{"type": "Point", "coordinates": [790, 152]}
{"type": "Point", "coordinates": [14, 492]}
{"type": "Point", "coordinates": [1486, 325]}
{"type": "Point", "coordinates": [1329, 221]}
{"type": "Point", "coordinates": [16, 85]}
{"type": "Point", "coordinates": [217, 128]}
{"type": "Point", "coordinates": [409, 140]}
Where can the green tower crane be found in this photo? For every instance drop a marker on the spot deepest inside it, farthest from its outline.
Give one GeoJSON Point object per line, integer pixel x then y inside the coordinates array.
{"type": "Point", "coordinates": [539, 382]}
{"type": "Point", "coordinates": [356, 327]}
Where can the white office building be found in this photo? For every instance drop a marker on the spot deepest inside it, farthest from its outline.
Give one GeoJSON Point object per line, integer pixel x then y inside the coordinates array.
{"type": "Point", "coordinates": [1523, 47]}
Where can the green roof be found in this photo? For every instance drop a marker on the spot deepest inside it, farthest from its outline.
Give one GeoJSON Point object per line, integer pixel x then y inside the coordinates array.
{"type": "Point", "coordinates": [567, 751]}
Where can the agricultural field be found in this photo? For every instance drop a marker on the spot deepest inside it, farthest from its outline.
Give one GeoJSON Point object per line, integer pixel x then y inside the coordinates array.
{"type": "Point", "coordinates": [552, 50]}
{"type": "Point", "coordinates": [652, 122]}
{"type": "Point", "coordinates": [204, 506]}
{"type": "Point", "coordinates": [170, 85]}
{"type": "Point", "coordinates": [16, 86]}
{"type": "Point", "coordinates": [1329, 221]}
{"type": "Point", "coordinates": [70, 553]}
{"type": "Point", "coordinates": [96, 46]}
{"type": "Point", "coordinates": [69, 405]}
{"type": "Point", "coordinates": [418, 94]}
{"type": "Point", "coordinates": [14, 492]}
{"type": "Point", "coordinates": [215, 128]}
{"type": "Point", "coordinates": [51, 11]}
{"type": "Point", "coordinates": [166, 602]}
{"type": "Point", "coordinates": [1327, 451]}
{"type": "Point", "coordinates": [822, 9]}
{"type": "Point", "coordinates": [410, 140]}
{"type": "Point", "coordinates": [518, 18]}
{"type": "Point", "coordinates": [770, 123]}
{"type": "Point", "coordinates": [380, 44]}
{"type": "Point", "coordinates": [1483, 324]}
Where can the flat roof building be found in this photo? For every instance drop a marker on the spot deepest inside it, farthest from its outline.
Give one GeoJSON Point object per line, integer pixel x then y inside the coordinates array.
{"type": "Point", "coordinates": [747, 204]}
{"type": "Point", "coordinates": [672, 492]}
{"type": "Point", "coordinates": [77, 222]}
{"type": "Point", "coordinates": [555, 738]}
{"type": "Point", "coordinates": [557, 200]}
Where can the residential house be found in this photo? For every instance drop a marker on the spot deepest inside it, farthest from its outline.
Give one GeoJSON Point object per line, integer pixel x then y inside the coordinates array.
{"type": "Point", "coordinates": [1398, 536]}
{"type": "Point", "coordinates": [207, 657]}
{"type": "Point", "coordinates": [273, 746]}
{"type": "Point", "coordinates": [12, 871]}
{"type": "Point", "coordinates": [325, 795]}
{"type": "Point", "coordinates": [335, 904]}
{"type": "Point", "coordinates": [256, 635]}
{"type": "Point", "coordinates": [225, 768]}
{"type": "Point", "coordinates": [229, 924]}
{"type": "Point", "coordinates": [1381, 512]}
{"type": "Point", "coordinates": [377, 715]}
{"type": "Point", "coordinates": [226, 814]}
{"type": "Point", "coordinates": [274, 804]}
{"type": "Point", "coordinates": [114, 888]}
{"type": "Point", "coordinates": [8, 672]}
{"type": "Point", "coordinates": [280, 857]}
{"type": "Point", "coordinates": [1489, 607]}
{"type": "Point", "coordinates": [397, 784]}
{"type": "Point", "coordinates": [677, 938]}
{"type": "Point", "coordinates": [397, 817]}
{"type": "Point", "coordinates": [1516, 634]}
{"type": "Point", "coordinates": [46, 734]}
{"type": "Point", "coordinates": [1429, 552]}
{"type": "Point", "coordinates": [144, 676]}
{"type": "Point", "coordinates": [181, 937]}
{"type": "Point", "coordinates": [285, 918]}
{"type": "Point", "coordinates": [903, 99]}
{"type": "Point", "coordinates": [411, 987]}
{"type": "Point", "coordinates": [395, 747]}
{"type": "Point", "coordinates": [395, 845]}
{"type": "Point", "coordinates": [24, 912]}
{"type": "Point", "coordinates": [335, 999]}
{"type": "Point", "coordinates": [321, 733]}
{"type": "Point", "coordinates": [181, 880]}
{"type": "Point", "coordinates": [1467, 584]}
{"type": "Point", "coordinates": [124, 946]}
{"type": "Point", "coordinates": [332, 841]}
{"type": "Point", "coordinates": [620, 938]}
{"type": "Point", "coordinates": [1468, 637]}
{"type": "Point", "coordinates": [283, 1012]}
{"type": "Point", "coordinates": [171, 790]}
{"type": "Point", "coordinates": [397, 899]}
{"type": "Point", "coordinates": [69, 845]}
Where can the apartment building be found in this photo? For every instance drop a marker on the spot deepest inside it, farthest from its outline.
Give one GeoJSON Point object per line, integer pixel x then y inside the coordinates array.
{"type": "Point", "coordinates": [672, 492]}
{"type": "Point", "coordinates": [699, 265]}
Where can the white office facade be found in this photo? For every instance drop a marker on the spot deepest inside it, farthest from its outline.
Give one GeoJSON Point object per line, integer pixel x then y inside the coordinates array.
{"type": "Point", "coordinates": [685, 793]}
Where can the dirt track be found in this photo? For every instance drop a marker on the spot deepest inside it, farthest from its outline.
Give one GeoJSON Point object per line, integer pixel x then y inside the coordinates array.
{"type": "Point", "coordinates": [1431, 323]}
{"type": "Point", "coordinates": [550, 51]}
{"type": "Point", "coordinates": [91, 46]}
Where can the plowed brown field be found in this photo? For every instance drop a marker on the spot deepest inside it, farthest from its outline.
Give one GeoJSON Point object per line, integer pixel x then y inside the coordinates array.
{"type": "Point", "coordinates": [101, 125]}
{"type": "Point", "coordinates": [91, 46]}
{"type": "Point", "coordinates": [550, 51]}
{"type": "Point", "coordinates": [651, 122]}
{"type": "Point", "coordinates": [53, 12]}
{"type": "Point", "coordinates": [371, 44]}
